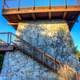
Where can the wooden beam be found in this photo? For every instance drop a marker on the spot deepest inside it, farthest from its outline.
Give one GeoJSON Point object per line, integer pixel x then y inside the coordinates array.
{"type": "Point", "coordinates": [65, 15]}
{"type": "Point", "coordinates": [71, 23]}
{"type": "Point", "coordinates": [19, 17]}
{"type": "Point", "coordinates": [26, 11]}
{"type": "Point", "coordinates": [13, 24]}
{"type": "Point", "coordinates": [33, 16]}
{"type": "Point", "coordinates": [49, 15]}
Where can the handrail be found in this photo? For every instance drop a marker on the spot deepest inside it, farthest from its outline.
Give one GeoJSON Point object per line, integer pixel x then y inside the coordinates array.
{"type": "Point", "coordinates": [50, 3]}
{"type": "Point", "coordinates": [27, 47]}
{"type": "Point", "coordinates": [46, 54]}
{"type": "Point", "coordinates": [40, 55]}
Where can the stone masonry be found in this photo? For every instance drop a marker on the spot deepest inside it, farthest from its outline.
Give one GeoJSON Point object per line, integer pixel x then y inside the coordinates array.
{"type": "Point", "coordinates": [52, 37]}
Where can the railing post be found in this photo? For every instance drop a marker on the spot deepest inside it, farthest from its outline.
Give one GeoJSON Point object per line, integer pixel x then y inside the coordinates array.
{"type": "Point", "coordinates": [33, 7]}
{"type": "Point", "coordinates": [49, 4]}
{"type": "Point", "coordinates": [78, 2]}
{"type": "Point", "coordinates": [18, 7]}
{"type": "Point", "coordinates": [77, 76]}
{"type": "Point", "coordinates": [10, 37]}
{"type": "Point", "coordinates": [33, 4]}
{"type": "Point", "coordinates": [65, 3]}
{"type": "Point", "coordinates": [3, 3]}
{"type": "Point", "coordinates": [43, 57]}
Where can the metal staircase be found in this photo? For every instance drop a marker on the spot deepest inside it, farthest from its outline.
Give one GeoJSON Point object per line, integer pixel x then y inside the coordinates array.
{"type": "Point", "coordinates": [13, 42]}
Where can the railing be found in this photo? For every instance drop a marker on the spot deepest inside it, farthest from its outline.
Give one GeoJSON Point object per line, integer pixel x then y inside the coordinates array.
{"type": "Point", "coordinates": [30, 50]}
{"type": "Point", "coordinates": [35, 53]}
{"type": "Point", "coordinates": [37, 3]}
{"type": "Point", "coordinates": [77, 76]}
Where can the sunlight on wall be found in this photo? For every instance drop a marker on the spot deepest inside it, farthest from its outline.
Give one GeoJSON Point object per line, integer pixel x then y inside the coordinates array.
{"type": "Point", "coordinates": [67, 72]}
{"type": "Point", "coordinates": [49, 27]}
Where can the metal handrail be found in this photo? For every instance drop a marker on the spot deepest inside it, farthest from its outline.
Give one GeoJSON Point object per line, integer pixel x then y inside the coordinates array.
{"type": "Point", "coordinates": [34, 4]}
{"type": "Point", "coordinates": [40, 55]}
{"type": "Point", "coordinates": [26, 47]}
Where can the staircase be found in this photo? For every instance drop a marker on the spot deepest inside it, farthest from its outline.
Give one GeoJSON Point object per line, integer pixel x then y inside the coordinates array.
{"type": "Point", "coordinates": [13, 42]}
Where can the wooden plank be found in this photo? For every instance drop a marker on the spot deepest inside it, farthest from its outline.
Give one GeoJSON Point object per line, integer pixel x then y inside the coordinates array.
{"type": "Point", "coordinates": [33, 16]}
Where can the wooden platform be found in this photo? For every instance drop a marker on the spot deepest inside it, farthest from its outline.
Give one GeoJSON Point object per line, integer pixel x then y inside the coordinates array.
{"type": "Point", "coordinates": [14, 15]}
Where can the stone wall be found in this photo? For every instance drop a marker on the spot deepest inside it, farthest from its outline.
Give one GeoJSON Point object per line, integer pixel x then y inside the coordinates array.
{"type": "Point", "coordinates": [42, 34]}
{"type": "Point", "coordinates": [50, 36]}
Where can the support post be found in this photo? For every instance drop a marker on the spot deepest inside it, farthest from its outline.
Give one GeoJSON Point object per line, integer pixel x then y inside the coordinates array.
{"type": "Point", "coordinates": [33, 5]}
{"type": "Point", "coordinates": [3, 3]}
{"type": "Point", "coordinates": [65, 3]}
{"type": "Point", "coordinates": [8, 37]}
{"type": "Point", "coordinates": [49, 4]}
{"type": "Point", "coordinates": [18, 7]}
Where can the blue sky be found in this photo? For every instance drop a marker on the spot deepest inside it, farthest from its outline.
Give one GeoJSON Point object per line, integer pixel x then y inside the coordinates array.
{"type": "Point", "coordinates": [3, 22]}
{"type": "Point", "coordinates": [75, 32]}
{"type": "Point", "coordinates": [30, 3]}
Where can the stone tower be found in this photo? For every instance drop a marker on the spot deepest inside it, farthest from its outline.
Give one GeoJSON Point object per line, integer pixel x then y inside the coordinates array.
{"type": "Point", "coordinates": [46, 28]}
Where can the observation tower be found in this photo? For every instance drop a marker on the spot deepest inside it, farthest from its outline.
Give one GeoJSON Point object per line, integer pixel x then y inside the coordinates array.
{"type": "Point", "coordinates": [43, 35]}
{"type": "Point", "coordinates": [17, 10]}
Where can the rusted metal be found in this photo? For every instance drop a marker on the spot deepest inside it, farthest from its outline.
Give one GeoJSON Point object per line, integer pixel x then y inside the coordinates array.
{"type": "Point", "coordinates": [14, 16]}
{"type": "Point", "coordinates": [41, 10]}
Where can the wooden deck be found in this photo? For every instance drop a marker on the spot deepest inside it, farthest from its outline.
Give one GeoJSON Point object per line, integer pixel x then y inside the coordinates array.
{"type": "Point", "coordinates": [14, 15]}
